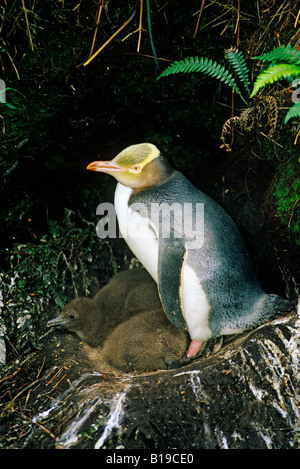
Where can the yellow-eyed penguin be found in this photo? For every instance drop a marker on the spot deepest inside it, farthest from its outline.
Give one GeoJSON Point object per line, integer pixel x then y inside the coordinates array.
{"type": "Point", "coordinates": [190, 246]}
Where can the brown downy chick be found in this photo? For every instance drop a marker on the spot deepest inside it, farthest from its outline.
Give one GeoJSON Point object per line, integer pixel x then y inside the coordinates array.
{"type": "Point", "coordinates": [125, 295]}
{"type": "Point", "coordinates": [146, 342]}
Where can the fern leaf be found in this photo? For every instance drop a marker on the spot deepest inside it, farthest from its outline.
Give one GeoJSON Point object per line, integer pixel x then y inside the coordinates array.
{"type": "Point", "coordinates": [204, 65]}
{"type": "Point", "coordinates": [284, 53]}
{"type": "Point", "coordinates": [294, 111]}
{"type": "Point", "coordinates": [274, 73]}
{"type": "Point", "coordinates": [238, 63]}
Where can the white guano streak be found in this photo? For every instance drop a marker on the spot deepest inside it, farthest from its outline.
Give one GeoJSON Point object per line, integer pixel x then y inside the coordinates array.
{"type": "Point", "coordinates": [114, 418]}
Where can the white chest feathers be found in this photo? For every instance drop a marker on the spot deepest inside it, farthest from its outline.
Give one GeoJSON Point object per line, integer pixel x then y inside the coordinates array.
{"type": "Point", "coordinates": [137, 231]}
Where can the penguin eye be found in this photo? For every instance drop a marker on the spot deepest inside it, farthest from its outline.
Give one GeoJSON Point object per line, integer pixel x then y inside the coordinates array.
{"type": "Point", "coordinates": [136, 168]}
{"type": "Point", "coordinates": [72, 317]}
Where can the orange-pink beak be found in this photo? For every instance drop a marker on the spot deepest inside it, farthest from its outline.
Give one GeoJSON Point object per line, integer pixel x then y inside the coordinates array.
{"type": "Point", "coordinates": [104, 166]}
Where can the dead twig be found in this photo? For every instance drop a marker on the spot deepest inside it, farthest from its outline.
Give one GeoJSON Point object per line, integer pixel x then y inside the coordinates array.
{"type": "Point", "coordinates": [297, 18]}
{"type": "Point", "coordinates": [293, 211]}
{"type": "Point", "coordinates": [110, 39]}
{"type": "Point", "coordinates": [140, 27]}
{"type": "Point", "coordinates": [148, 55]}
{"type": "Point", "coordinates": [39, 372]}
{"type": "Point", "coordinates": [55, 375]}
{"type": "Point", "coordinates": [10, 376]}
{"type": "Point", "coordinates": [271, 139]}
{"type": "Point", "coordinates": [199, 17]}
{"type": "Point", "coordinates": [297, 136]}
{"type": "Point", "coordinates": [28, 27]}
{"type": "Point", "coordinates": [23, 390]}
{"type": "Point", "coordinates": [138, 30]}
{"type": "Point", "coordinates": [98, 15]}
{"type": "Point", "coordinates": [56, 384]}
{"type": "Point", "coordinates": [46, 430]}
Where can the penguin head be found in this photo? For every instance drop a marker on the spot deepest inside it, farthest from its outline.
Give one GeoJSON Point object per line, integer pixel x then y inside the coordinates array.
{"type": "Point", "coordinates": [137, 166]}
{"type": "Point", "coordinates": [74, 315]}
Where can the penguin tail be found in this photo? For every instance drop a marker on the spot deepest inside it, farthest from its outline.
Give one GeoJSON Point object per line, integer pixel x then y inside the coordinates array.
{"type": "Point", "coordinates": [274, 306]}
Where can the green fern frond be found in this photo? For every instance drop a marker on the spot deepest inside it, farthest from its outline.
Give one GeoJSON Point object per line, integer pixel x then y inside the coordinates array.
{"type": "Point", "coordinates": [284, 53]}
{"type": "Point", "coordinates": [274, 73]}
{"type": "Point", "coordinates": [238, 63]}
{"type": "Point", "coordinates": [294, 111]}
{"type": "Point", "coordinates": [204, 65]}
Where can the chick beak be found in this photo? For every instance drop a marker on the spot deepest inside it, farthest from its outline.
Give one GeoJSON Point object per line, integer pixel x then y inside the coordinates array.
{"type": "Point", "coordinates": [58, 321]}
{"type": "Point", "coordinates": [104, 166]}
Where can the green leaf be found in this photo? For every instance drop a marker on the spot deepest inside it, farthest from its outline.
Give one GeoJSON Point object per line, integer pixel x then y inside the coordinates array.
{"type": "Point", "coordinates": [294, 111]}
{"type": "Point", "coordinates": [274, 73]}
{"type": "Point", "coordinates": [284, 53]}
{"type": "Point", "coordinates": [238, 63]}
{"type": "Point", "coordinates": [204, 65]}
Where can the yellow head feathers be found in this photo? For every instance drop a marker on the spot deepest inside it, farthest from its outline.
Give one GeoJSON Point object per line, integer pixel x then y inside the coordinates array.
{"type": "Point", "coordinates": [127, 167]}
{"type": "Point", "coordinates": [140, 154]}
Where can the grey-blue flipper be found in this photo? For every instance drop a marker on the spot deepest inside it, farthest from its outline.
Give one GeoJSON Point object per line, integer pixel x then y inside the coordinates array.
{"type": "Point", "coordinates": [170, 262]}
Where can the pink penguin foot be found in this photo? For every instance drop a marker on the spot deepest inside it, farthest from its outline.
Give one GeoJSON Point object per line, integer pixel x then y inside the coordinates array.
{"type": "Point", "coordinates": [194, 348]}
{"type": "Point", "coordinates": [192, 352]}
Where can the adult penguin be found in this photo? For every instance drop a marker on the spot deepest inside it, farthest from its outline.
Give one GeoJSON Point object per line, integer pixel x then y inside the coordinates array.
{"type": "Point", "coordinates": [190, 246]}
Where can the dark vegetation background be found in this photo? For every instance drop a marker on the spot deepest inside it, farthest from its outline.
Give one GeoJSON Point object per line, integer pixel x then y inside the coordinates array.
{"type": "Point", "coordinates": [66, 115]}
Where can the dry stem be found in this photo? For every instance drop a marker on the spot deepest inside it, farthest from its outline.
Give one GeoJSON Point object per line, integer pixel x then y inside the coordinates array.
{"type": "Point", "coordinates": [110, 39]}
